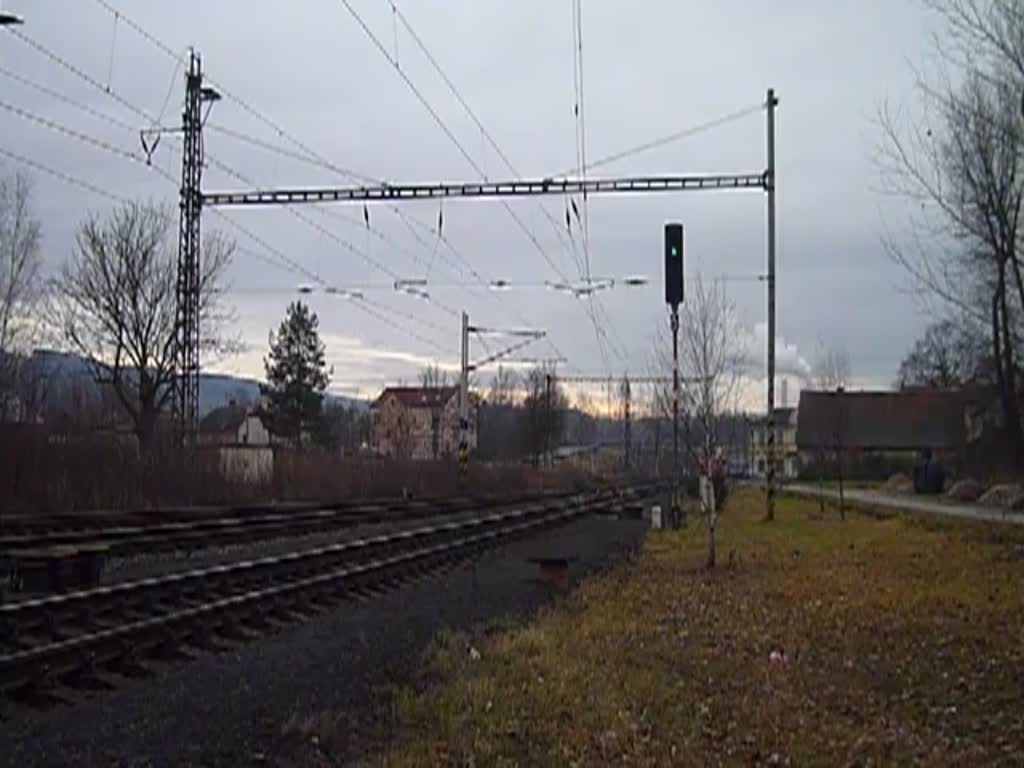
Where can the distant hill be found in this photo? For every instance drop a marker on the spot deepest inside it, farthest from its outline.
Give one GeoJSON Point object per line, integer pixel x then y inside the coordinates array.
{"type": "Point", "coordinates": [64, 369]}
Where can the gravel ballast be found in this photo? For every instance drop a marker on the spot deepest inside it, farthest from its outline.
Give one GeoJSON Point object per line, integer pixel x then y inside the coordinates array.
{"type": "Point", "coordinates": [232, 708]}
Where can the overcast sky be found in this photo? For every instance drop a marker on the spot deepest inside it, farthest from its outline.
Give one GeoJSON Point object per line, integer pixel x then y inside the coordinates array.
{"type": "Point", "coordinates": [650, 69]}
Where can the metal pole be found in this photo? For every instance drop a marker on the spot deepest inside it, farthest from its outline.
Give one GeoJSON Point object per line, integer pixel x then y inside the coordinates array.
{"type": "Point", "coordinates": [6, 20]}
{"type": "Point", "coordinates": [676, 504]}
{"type": "Point", "coordinates": [188, 274]}
{"type": "Point", "coordinates": [772, 102]}
{"type": "Point", "coordinates": [547, 419]}
{"type": "Point", "coordinates": [627, 437]}
{"type": "Point", "coordinates": [464, 398]}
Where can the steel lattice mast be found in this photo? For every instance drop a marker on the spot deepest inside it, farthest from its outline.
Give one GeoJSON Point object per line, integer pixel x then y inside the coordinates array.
{"type": "Point", "coordinates": [186, 400]}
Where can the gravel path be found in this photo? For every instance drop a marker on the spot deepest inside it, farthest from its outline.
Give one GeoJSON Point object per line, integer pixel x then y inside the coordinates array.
{"type": "Point", "coordinates": [230, 709]}
{"type": "Point", "coordinates": [895, 501]}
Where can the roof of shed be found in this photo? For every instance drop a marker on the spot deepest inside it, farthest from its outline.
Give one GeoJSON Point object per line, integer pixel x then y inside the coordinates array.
{"type": "Point", "coordinates": [906, 420]}
{"type": "Point", "coordinates": [420, 397]}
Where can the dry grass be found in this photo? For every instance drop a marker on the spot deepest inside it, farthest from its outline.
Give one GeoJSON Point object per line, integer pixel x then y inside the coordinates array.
{"type": "Point", "coordinates": [901, 636]}
{"type": "Point", "coordinates": [96, 472]}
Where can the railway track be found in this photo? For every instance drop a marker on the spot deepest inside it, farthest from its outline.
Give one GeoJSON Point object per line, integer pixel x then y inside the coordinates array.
{"type": "Point", "coordinates": [70, 639]}
{"type": "Point", "coordinates": [194, 528]}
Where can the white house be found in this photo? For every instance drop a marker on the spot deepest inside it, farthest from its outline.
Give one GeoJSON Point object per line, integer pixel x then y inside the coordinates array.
{"type": "Point", "coordinates": [242, 442]}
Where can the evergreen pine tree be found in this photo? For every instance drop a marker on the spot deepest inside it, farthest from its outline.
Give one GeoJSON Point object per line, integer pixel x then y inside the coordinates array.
{"type": "Point", "coordinates": [297, 374]}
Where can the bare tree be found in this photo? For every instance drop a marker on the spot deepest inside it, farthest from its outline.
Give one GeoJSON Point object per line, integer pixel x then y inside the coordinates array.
{"type": "Point", "coordinates": [832, 367]}
{"type": "Point", "coordinates": [711, 353]}
{"type": "Point", "coordinates": [958, 160]}
{"type": "Point", "coordinates": [544, 411]}
{"type": "Point", "coordinates": [115, 304]}
{"type": "Point", "coordinates": [503, 386]}
{"type": "Point", "coordinates": [949, 354]}
{"type": "Point", "coordinates": [832, 374]}
{"type": "Point", "coordinates": [434, 377]}
{"type": "Point", "coordinates": [584, 423]}
{"type": "Point", "coordinates": [20, 234]}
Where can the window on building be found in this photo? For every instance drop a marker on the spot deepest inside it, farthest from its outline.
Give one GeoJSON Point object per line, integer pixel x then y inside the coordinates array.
{"type": "Point", "coordinates": [760, 465]}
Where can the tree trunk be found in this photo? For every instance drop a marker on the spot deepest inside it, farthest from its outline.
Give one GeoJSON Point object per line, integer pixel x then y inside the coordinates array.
{"type": "Point", "coordinates": [842, 497]}
{"type": "Point", "coordinates": [1002, 345]}
{"type": "Point", "coordinates": [712, 521]}
{"type": "Point", "coordinates": [145, 427]}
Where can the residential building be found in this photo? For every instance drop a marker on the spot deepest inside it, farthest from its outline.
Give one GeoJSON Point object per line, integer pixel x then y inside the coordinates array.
{"type": "Point", "coordinates": [419, 423]}
{"type": "Point", "coordinates": [242, 443]}
{"type": "Point", "coordinates": [902, 421]}
{"type": "Point", "coordinates": [787, 455]}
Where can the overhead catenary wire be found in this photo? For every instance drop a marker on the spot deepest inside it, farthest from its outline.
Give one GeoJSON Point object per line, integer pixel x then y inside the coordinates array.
{"type": "Point", "coordinates": [322, 164]}
{"type": "Point", "coordinates": [72, 133]}
{"type": "Point", "coordinates": [62, 176]}
{"type": "Point", "coordinates": [449, 133]}
{"type": "Point", "coordinates": [670, 138]}
{"type": "Point", "coordinates": [581, 119]}
{"type": "Point", "coordinates": [64, 63]}
{"type": "Point", "coordinates": [363, 304]}
{"type": "Point", "coordinates": [600, 333]}
{"type": "Point", "coordinates": [79, 73]}
{"type": "Point", "coordinates": [274, 126]}
{"type": "Point", "coordinates": [484, 132]}
{"type": "Point", "coordinates": [118, 152]}
{"type": "Point", "coordinates": [171, 53]}
{"type": "Point", "coordinates": [54, 94]}
{"type": "Point", "coordinates": [166, 49]}
{"type": "Point", "coordinates": [583, 269]}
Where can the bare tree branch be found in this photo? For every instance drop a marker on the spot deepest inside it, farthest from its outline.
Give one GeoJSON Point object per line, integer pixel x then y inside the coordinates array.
{"type": "Point", "coordinates": [20, 235]}
{"type": "Point", "coordinates": [115, 303]}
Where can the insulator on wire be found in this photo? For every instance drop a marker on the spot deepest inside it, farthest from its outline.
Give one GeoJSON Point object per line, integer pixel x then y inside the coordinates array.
{"type": "Point", "coordinates": [366, 215]}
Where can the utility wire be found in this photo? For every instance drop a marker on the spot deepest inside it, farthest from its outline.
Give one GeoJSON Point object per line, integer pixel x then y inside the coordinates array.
{"type": "Point", "coordinates": [238, 135]}
{"type": "Point", "coordinates": [600, 333]}
{"type": "Point", "coordinates": [363, 304]}
{"type": "Point", "coordinates": [352, 249]}
{"type": "Point", "coordinates": [581, 118]}
{"type": "Point", "coordinates": [343, 243]}
{"type": "Point", "coordinates": [448, 132]}
{"type": "Point", "coordinates": [483, 130]}
{"type": "Point", "coordinates": [668, 139]}
{"type": "Point", "coordinates": [322, 164]}
{"type": "Point", "coordinates": [138, 29]}
{"type": "Point", "coordinates": [62, 176]}
{"type": "Point", "coordinates": [72, 133]}
{"type": "Point", "coordinates": [123, 154]}
{"type": "Point", "coordinates": [66, 99]}
{"type": "Point", "coordinates": [284, 152]}
{"type": "Point", "coordinates": [134, 157]}
{"type": "Point", "coordinates": [67, 65]}
{"type": "Point", "coordinates": [268, 122]}
{"type": "Point", "coordinates": [488, 137]}
{"type": "Point", "coordinates": [453, 89]}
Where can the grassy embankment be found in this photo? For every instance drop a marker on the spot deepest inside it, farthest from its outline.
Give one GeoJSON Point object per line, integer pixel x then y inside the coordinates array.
{"type": "Point", "coordinates": [902, 640]}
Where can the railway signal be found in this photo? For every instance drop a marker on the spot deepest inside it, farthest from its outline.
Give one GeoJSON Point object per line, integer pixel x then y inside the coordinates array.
{"type": "Point", "coordinates": [674, 264]}
{"type": "Point", "coordinates": [674, 297]}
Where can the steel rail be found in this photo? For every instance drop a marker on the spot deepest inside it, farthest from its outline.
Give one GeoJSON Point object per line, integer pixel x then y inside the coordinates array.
{"type": "Point", "coordinates": [84, 630]}
{"type": "Point", "coordinates": [211, 531]}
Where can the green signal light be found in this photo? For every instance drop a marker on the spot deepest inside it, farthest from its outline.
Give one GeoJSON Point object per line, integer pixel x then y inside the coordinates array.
{"type": "Point", "coordinates": [675, 251]}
